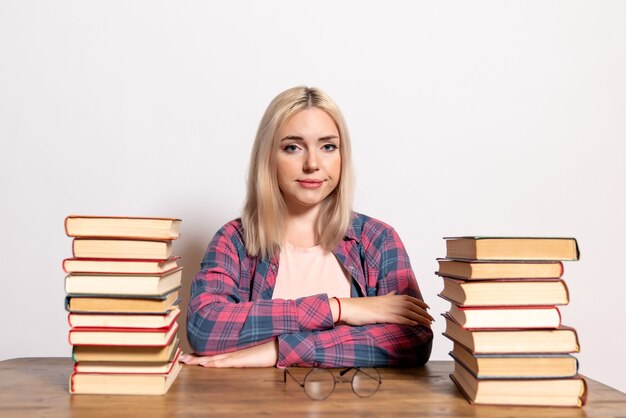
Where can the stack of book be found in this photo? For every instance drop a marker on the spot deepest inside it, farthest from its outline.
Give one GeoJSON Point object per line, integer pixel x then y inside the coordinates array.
{"type": "Point", "coordinates": [509, 346]}
{"type": "Point", "coordinates": [122, 297]}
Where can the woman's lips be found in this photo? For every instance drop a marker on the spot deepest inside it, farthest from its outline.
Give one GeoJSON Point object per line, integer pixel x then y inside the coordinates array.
{"type": "Point", "coordinates": [310, 184]}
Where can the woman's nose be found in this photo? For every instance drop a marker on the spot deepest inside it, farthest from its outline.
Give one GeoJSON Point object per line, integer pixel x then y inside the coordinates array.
{"type": "Point", "coordinates": [310, 164]}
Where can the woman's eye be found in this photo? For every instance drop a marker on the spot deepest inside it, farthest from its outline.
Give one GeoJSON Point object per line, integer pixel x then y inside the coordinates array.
{"type": "Point", "coordinates": [329, 147]}
{"type": "Point", "coordinates": [291, 148]}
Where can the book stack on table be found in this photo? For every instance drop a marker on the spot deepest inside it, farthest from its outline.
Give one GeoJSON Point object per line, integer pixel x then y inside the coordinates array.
{"type": "Point", "coordinates": [122, 297]}
{"type": "Point", "coordinates": [509, 345]}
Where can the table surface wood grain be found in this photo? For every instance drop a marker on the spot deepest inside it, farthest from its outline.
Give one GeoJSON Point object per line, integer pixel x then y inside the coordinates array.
{"type": "Point", "coordinates": [38, 387]}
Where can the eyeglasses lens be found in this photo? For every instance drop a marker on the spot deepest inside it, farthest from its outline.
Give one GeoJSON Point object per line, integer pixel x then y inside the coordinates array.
{"type": "Point", "coordinates": [319, 384]}
{"type": "Point", "coordinates": [365, 382]}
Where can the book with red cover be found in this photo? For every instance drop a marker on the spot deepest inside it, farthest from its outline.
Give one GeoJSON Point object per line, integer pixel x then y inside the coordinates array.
{"type": "Point", "coordinates": [122, 227]}
{"type": "Point", "coordinates": [148, 337]}
{"type": "Point", "coordinates": [123, 320]}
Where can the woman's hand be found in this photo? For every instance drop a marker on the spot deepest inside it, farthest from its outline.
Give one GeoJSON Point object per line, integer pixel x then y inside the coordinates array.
{"type": "Point", "coordinates": [263, 355]}
{"type": "Point", "coordinates": [388, 309]}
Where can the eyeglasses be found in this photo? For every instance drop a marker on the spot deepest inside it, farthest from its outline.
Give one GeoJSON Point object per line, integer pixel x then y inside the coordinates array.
{"type": "Point", "coordinates": [318, 384]}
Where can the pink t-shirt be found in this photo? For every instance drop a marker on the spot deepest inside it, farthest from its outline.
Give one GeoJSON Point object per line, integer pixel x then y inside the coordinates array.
{"type": "Point", "coordinates": [309, 271]}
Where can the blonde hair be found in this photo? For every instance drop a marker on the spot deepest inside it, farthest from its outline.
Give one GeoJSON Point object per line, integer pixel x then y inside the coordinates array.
{"type": "Point", "coordinates": [264, 209]}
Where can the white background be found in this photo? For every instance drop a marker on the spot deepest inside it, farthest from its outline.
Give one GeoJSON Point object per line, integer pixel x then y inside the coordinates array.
{"type": "Point", "coordinates": [481, 118]}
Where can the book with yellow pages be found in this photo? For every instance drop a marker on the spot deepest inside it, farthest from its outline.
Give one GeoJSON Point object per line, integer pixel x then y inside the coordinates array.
{"type": "Point", "coordinates": [129, 354]}
{"type": "Point", "coordinates": [540, 392]}
{"type": "Point", "coordinates": [124, 383]}
{"type": "Point", "coordinates": [483, 270]}
{"type": "Point", "coordinates": [506, 317]}
{"type": "Point", "coordinates": [497, 366]}
{"type": "Point", "coordinates": [123, 284]}
{"type": "Point", "coordinates": [123, 320]}
{"type": "Point", "coordinates": [512, 248]}
{"type": "Point", "coordinates": [115, 265]}
{"type": "Point", "coordinates": [126, 367]}
{"type": "Point", "coordinates": [121, 248]}
{"type": "Point", "coordinates": [148, 337]}
{"type": "Point", "coordinates": [122, 227]}
{"type": "Point", "coordinates": [121, 304]}
{"type": "Point", "coordinates": [505, 292]}
{"type": "Point", "coordinates": [513, 341]}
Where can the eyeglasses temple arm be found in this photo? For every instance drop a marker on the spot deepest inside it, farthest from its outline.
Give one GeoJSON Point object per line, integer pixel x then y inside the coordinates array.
{"type": "Point", "coordinates": [286, 372]}
{"type": "Point", "coordinates": [344, 371]}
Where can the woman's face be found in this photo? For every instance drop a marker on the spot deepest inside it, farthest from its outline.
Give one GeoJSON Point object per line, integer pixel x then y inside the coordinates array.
{"type": "Point", "coordinates": [308, 159]}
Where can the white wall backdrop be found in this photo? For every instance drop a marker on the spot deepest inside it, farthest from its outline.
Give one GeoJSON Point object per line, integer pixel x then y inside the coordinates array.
{"type": "Point", "coordinates": [503, 118]}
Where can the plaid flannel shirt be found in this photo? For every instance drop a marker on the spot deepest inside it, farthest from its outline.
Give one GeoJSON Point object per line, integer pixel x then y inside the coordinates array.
{"type": "Point", "coordinates": [231, 304]}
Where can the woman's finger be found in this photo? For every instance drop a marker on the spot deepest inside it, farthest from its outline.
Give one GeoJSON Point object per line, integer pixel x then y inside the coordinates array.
{"type": "Point", "coordinates": [194, 359]}
{"type": "Point", "coordinates": [189, 359]}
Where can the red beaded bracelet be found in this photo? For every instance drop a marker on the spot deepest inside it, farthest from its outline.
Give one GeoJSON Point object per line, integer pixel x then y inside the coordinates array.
{"type": "Point", "coordinates": [338, 304]}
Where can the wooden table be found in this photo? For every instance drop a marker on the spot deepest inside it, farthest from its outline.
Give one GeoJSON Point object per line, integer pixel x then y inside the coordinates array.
{"type": "Point", "coordinates": [38, 387]}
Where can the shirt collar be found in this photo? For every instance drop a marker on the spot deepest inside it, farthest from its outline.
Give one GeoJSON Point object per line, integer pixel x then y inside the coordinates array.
{"type": "Point", "coordinates": [351, 232]}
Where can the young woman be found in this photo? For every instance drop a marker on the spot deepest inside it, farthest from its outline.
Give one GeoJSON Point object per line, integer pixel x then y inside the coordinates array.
{"type": "Point", "coordinates": [301, 279]}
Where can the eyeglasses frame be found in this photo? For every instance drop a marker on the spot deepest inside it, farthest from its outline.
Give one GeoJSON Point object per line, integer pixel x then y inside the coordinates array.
{"type": "Point", "coordinates": [335, 380]}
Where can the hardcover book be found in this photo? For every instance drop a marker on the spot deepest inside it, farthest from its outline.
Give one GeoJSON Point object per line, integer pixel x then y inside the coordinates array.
{"type": "Point", "coordinates": [540, 392]}
{"type": "Point", "coordinates": [127, 367]}
{"type": "Point", "coordinates": [124, 384]}
{"type": "Point", "coordinates": [149, 337]}
{"type": "Point", "coordinates": [513, 341]}
{"type": "Point", "coordinates": [123, 320]}
{"type": "Point", "coordinates": [512, 366]}
{"type": "Point", "coordinates": [121, 248]}
{"type": "Point", "coordinates": [505, 292]}
{"type": "Point", "coordinates": [103, 265]}
{"type": "Point", "coordinates": [482, 270]}
{"type": "Point", "coordinates": [127, 354]}
{"type": "Point", "coordinates": [512, 248]}
{"type": "Point", "coordinates": [506, 317]}
{"type": "Point", "coordinates": [122, 227]}
{"type": "Point", "coordinates": [123, 284]}
{"type": "Point", "coordinates": [121, 304]}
